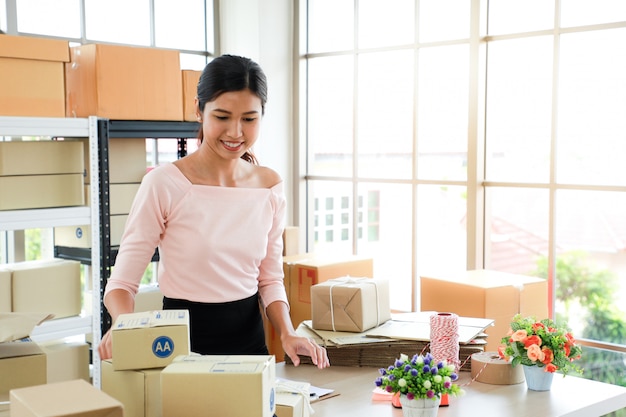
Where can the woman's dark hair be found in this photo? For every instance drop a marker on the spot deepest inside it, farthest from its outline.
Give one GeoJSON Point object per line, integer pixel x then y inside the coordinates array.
{"type": "Point", "coordinates": [228, 73]}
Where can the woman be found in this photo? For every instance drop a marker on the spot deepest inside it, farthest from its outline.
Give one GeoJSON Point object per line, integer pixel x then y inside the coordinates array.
{"type": "Point", "coordinates": [217, 218]}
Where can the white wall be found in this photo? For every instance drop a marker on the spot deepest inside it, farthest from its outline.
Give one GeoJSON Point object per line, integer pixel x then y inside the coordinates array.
{"type": "Point", "coordinates": [263, 31]}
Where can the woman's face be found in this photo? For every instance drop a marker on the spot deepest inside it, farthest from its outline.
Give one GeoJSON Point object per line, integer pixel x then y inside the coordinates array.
{"type": "Point", "coordinates": [231, 123]}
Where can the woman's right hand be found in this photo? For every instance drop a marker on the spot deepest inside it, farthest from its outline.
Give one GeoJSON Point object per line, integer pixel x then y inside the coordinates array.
{"type": "Point", "coordinates": [104, 348]}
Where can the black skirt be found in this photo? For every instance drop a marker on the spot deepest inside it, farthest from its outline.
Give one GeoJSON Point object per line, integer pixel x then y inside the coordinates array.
{"type": "Point", "coordinates": [232, 328]}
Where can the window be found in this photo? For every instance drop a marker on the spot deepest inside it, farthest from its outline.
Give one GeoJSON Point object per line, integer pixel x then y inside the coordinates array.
{"type": "Point", "coordinates": [481, 135]}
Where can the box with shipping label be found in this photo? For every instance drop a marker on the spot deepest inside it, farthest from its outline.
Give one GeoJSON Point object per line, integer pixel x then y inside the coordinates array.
{"type": "Point", "coordinates": [23, 192]}
{"type": "Point", "coordinates": [66, 360]}
{"type": "Point", "coordinates": [240, 385]}
{"type": "Point", "coordinates": [5, 290]}
{"type": "Point", "coordinates": [190, 91]}
{"type": "Point", "coordinates": [305, 273]}
{"type": "Point", "coordinates": [46, 286]}
{"type": "Point", "coordinates": [33, 79]}
{"type": "Point", "coordinates": [41, 157]}
{"type": "Point", "coordinates": [150, 339]}
{"type": "Point", "coordinates": [123, 83]}
{"type": "Point", "coordinates": [486, 294]}
{"type": "Point", "coordinates": [350, 304]}
{"type": "Point", "coordinates": [64, 399]}
{"type": "Point", "coordinates": [22, 364]}
{"type": "Point", "coordinates": [139, 390]}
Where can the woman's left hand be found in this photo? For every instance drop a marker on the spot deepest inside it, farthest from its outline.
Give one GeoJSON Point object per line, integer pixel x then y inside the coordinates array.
{"type": "Point", "coordinates": [295, 345]}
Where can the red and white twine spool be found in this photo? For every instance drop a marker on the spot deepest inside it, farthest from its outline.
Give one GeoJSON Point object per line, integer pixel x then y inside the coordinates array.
{"type": "Point", "coordinates": [444, 338]}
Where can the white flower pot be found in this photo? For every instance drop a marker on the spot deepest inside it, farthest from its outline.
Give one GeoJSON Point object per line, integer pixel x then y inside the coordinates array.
{"type": "Point", "coordinates": [537, 379]}
{"type": "Point", "coordinates": [420, 407]}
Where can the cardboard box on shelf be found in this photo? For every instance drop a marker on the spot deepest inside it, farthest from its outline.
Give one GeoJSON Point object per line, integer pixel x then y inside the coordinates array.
{"type": "Point", "coordinates": [64, 399]}
{"type": "Point", "coordinates": [22, 364]}
{"type": "Point", "coordinates": [190, 91]}
{"type": "Point", "coordinates": [149, 339]}
{"type": "Point", "coordinates": [121, 197]}
{"type": "Point", "coordinates": [33, 79]}
{"type": "Point", "coordinates": [305, 273]}
{"type": "Point", "coordinates": [46, 286]}
{"type": "Point", "coordinates": [184, 382]}
{"type": "Point", "coordinates": [5, 290]}
{"type": "Point", "coordinates": [124, 83]}
{"type": "Point", "coordinates": [486, 294]}
{"type": "Point", "coordinates": [127, 160]}
{"type": "Point", "coordinates": [66, 361]}
{"type": "Point", "coordinates": [80, 236]}
{"type": "Point", "coordinates": [41, 157]}
{"type": "Point", "coordinates": [41, 191]}
{"type": "Point", "coordinates": [350, 304]}
{"type": "Point", "coordinates": [139, 390]}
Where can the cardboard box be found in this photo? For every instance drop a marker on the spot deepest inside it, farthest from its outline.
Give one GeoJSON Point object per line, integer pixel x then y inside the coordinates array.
{"type": "Point", "coordinates": [486, 294]}
{"type": "Point", "coordinates": [33, 79]}
{"type": "Point", "coordinates": [148, 298]}
{"type": "Point", "coordinates": [291, 241]}
{"type": "Point", "coordinates": [121, 197]}
{"type": "Point", "coordinates": [66, 361]}
{"type": "Point", "coordinates": [47, 286]}
{"type": "Point", "coordinates": [149, 339]}
{"type": "Point", "coordinates": [127, 160]}
{"type": "Point", "coordinates": [138, 390]}
{"type": "Point", "coordinates": [190, 91]}
{"type": "Point", "coordinates": [292, 398]}
{"type": "Point", "coordinates": [240, 385]}
{"type": "Point", "coordinates": [80, 236]}
{"type": "Point", "coordinates": [22, 364]}
{"type": "Point", "coordinates": [41, 191]}
{"type": "Point", "coordinates": [41, 157]}
{"type": "Point", "coordinates": [305, 273]}
{"type": "Point", "coordinates": [64, 399]}
{"type": "Point", "coordinates": [124, 83]}
{"type": "Point", "coordinates": [5, 290]}
{"type": "Point", "coordinates": [291, 405]}
{"type": "Point", "coordinates": [350, 304]}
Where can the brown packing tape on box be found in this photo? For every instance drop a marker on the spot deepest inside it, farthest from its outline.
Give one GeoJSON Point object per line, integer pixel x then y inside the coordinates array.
{"type": "Point", "coordinates": [489, 368]}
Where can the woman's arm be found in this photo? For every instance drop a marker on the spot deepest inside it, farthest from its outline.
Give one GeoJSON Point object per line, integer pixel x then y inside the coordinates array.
{"type": "Point", "coordinates": [294, 345]}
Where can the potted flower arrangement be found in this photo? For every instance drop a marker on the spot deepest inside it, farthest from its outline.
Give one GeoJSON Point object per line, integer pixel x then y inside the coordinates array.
{"type": "Point", "coordinates": [541, 345]}
{"type": "Point", "coordinates": [420, 381]}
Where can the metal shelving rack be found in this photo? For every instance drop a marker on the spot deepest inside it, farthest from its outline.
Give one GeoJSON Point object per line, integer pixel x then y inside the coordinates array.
{"type": "Point", "coordinates": [64, 216]}
{"type": "Point", "coordinates": [101, 255]}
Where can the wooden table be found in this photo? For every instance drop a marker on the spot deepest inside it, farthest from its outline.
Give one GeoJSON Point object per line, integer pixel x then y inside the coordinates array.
{"type": "Point", "coordinates": [570, 396]}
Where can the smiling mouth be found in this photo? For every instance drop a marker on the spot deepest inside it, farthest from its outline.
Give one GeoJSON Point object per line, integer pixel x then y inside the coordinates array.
{"type": "Point", "coordinates": [232, 146]}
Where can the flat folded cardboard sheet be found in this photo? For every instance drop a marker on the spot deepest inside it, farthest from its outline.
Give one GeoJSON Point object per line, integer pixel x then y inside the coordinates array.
{"type": "Point", "coordinates": [225, 386]}
{"type": "Point", "coordinates": [350, 304]}
{"type": "Point", "coordinates": [64, 399]}
{"type": "Point", "coordinates": [150, 339]}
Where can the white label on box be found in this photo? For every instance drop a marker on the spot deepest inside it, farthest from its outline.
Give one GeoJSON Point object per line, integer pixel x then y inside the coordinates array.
{"type": "Point", "coordinates": [237, 367]}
